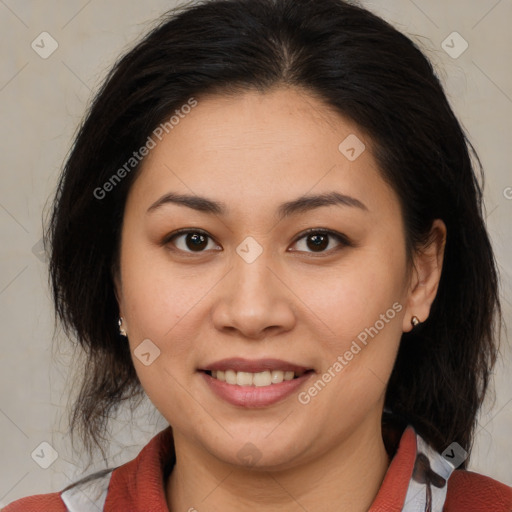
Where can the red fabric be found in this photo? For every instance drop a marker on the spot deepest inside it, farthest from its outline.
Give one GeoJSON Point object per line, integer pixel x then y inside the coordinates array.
{"type": "Point", "coordinates": [393, 489]}
{"type": "Point", "coordinates": [138, 485]}
{"type": "Point", "coordinates": [472, 492]}
{"type": "Point", "coordinates": [38, 503]}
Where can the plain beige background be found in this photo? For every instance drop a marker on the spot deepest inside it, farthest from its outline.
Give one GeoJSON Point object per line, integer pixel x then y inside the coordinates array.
{"type": "Point", "coordinates": [43, 100]}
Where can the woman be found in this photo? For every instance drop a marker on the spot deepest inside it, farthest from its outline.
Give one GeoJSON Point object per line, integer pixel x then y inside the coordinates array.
{"type": "Point", "coordinates": [270, 224]}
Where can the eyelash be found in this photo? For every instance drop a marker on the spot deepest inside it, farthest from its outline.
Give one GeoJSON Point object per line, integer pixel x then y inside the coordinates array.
{"type": "Point", "coordinates": [345, 242]}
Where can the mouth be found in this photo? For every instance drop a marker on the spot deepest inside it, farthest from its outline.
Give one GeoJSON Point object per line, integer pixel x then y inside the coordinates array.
{"type": "Point", "coordinates": [257, 379]}
{"type": "Point", "coordinates": [254, 383]}
{"type": "Point", "coordinates": [254, 372]}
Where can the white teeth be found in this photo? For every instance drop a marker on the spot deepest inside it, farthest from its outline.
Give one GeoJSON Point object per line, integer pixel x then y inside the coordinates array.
{"type": "Point", "coordinates": [244, 378]}
{"type": "Point", "coordinates": [262, 379]}
{"type": "Point", "coordinates": [259, 379]}
{"type": "Point", "coordinates": [230, 376]}
{"type": "Point", "coordinates": [277, 376]}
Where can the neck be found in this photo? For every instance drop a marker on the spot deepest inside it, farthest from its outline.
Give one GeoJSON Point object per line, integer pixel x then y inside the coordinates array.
{"type": "Point", "coordinates": [346, 478]}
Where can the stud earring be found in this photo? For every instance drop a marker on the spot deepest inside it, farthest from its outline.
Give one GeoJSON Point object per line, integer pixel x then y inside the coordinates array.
{"type": "Point", "coordinates": [122, 332]}
{"type": "Point", "coordinates": [415, 321]}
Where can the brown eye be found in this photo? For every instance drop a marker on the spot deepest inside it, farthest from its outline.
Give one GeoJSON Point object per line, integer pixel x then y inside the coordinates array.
{"type": "Point", "coordinates": [318, 240]}
{"type": "Point", "coordinates": [189, 240]}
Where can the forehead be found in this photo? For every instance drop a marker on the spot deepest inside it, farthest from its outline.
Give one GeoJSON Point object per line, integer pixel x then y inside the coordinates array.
{"type": "Point", "coordinates": [253, 147]}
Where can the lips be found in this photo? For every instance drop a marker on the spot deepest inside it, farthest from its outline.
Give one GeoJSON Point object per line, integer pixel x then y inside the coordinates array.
{"type": "Point", "coordinates": [261, 392]}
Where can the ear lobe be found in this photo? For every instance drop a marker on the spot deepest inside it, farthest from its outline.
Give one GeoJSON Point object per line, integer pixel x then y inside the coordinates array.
{"type": "Point", "coordinates": [426, 275]}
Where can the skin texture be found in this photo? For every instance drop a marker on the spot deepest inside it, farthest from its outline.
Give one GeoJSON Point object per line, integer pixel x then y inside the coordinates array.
{"type": "Point", "coordinates": [253, 151]}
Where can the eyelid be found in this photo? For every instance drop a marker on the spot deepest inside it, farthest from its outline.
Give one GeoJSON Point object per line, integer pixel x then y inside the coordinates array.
{"type": "Point", "coordinates": [340, 237]}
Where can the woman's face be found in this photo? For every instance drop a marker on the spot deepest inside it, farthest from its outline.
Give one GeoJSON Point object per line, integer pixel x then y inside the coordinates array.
{"type": "Point", "coordinates": [248, 283]}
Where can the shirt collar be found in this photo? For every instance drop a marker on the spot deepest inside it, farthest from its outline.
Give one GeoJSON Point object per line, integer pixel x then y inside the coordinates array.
{"type": "Point", "coordinates": [416, 479]}
{"type": "Point", "coordinates": [414, 482]}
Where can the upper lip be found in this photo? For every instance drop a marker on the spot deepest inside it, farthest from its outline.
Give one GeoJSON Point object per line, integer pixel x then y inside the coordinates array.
{"type": "Point", "coordinates": [240, 364]}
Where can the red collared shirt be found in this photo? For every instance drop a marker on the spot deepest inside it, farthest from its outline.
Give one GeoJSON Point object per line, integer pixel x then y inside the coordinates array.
{"type": "Point", "coordinates": [418, 480]}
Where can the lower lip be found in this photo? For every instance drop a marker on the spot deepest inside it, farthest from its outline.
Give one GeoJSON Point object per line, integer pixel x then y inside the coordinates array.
{"type": "Point", "coordinates": [255, 396]}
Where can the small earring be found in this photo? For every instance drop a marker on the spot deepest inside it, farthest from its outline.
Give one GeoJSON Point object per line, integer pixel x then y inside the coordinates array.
{"type": "Point", "coordinates": [122, 332]}
{"type": "Point", "coordinates": [415, 321]}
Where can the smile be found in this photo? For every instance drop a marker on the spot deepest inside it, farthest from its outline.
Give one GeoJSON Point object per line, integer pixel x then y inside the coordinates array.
{"type": "Point", "coordinates": [259, 379]}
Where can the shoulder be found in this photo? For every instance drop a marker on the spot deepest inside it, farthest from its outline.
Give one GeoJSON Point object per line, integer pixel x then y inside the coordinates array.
{"type": "Point", "coordinates": [89, 493]}
{"type": "Point", "coordinates": [472, 492]}
{"type": "Point", "coordinates": [37, 503]}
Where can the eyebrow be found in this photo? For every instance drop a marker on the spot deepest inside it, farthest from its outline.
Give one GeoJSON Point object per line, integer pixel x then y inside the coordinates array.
{"type": "Point", "coordinates": [299, 205]}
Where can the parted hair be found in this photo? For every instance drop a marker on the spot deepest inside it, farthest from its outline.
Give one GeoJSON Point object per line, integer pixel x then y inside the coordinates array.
{"type": "Point", "coordinates": [358, 65]}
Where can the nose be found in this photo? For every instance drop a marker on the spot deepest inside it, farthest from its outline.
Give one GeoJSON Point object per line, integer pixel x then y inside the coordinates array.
{"type": "Point", "coordinates": [254, 300]}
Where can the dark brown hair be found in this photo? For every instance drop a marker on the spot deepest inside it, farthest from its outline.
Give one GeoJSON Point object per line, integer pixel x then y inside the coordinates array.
{"type": "Point", "coordinates": [367, 71]}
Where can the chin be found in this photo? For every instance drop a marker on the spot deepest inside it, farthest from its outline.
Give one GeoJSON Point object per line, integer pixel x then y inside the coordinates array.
{"type": "Point", "coordinates": [261, 452]}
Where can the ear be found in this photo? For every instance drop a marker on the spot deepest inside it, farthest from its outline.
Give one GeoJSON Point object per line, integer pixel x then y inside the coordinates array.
{"type": "Point", "coordinates": [426, 274]}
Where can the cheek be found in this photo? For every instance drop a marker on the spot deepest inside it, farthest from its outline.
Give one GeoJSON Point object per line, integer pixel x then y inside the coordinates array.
{"type": "Point", "coordinates": [156, 293]}
{"type": "Point", "coordinates": [158, 301]}
{"type": "Point", "coordinates": [361, 305]}
{"type": "Point", "coordinates": [356, 295]}
{"type": "Point", "coordinates": [363, 311]}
